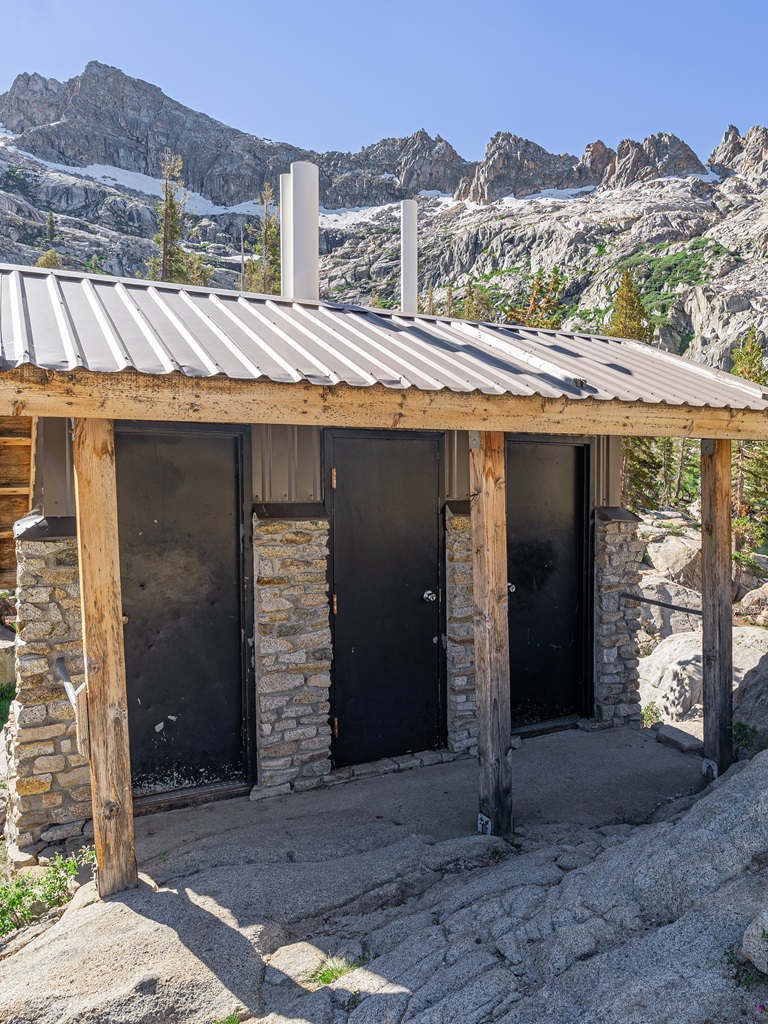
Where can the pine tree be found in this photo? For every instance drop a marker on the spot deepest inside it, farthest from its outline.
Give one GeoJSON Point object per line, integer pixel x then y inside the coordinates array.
{"type": "Point", "coordinates": [629, 318]}
{"type": "Point", "coordinates": [541, 303]}
{"type": "Point", "coordinates": [646, 464]}
{"type": "Point", "coordinates": [750, 458]}
{"type": "Point", "coordinates": [50, 228]}
{"type": "Point", "coordinates": [450, 305]}
{"type": "Point", "coordinates": [174, 263]}
{"type": "Point", "coordinates": [50, 260]}
{"type": "Point", "coordinates": [430, 301]}
{"type": "Point", "coordinates": [478, 303]}
{"type": "Point", "coordinates": [263, 274]}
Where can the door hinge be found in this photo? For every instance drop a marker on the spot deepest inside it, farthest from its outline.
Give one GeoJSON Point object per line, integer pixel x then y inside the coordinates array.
{"type": "Point", "coordinates": [333, 478]}
{"type": "Point", "coordinates": [335, 723]}
{"type": "Point", "coordinates": [335, 605]}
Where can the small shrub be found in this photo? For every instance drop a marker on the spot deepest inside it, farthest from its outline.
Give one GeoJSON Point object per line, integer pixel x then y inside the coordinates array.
{"type": "Point", "coordinates": [7, 694]}
{"type": "Point", "coordinates": [17, 899]}
{"type": "Point", "coordinates": [26, 897]}
{"type": "Point", "coordinates": [651, 714]}
{"type": "Point", "coordinates": [740, 969]}
{"type": "Point", "coordinates": [746, 561]}
{"type": "Point", "coordinates": [745, 737]}
{"type": "Point", "coordinates": [87, 857]}
{"type": "Point", "coordinates": [53, 887]}
{"type": "Point", "coordinates": [332, 968]}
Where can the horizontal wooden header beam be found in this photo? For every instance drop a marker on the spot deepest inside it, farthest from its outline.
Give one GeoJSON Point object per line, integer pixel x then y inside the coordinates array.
{"type": "Point", "coordinates": [29, 391]}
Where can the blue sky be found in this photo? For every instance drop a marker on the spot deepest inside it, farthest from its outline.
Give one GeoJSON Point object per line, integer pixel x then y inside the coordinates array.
{"type": "Point", "coordinates": [337, 74]}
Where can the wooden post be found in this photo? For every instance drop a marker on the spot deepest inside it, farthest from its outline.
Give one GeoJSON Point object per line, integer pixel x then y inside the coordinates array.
{"type": "Point", "coordinates": [717, 635]}
{"type": "Point", "coordinates": [489, 577]}
{"type": "Point", "coordinates": [96, 497]}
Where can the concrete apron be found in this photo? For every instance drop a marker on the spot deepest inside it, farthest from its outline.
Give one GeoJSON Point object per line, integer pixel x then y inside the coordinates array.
{"type": "Point", "coordinates": [564, 783]}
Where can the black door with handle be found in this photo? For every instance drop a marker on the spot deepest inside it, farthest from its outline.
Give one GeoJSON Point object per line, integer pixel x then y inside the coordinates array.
{"type": "Point", "coordinates": [384, 492]}
{"type": "Point", "coordinates": [548, 555]}
{"type": "Point", "coordinates": [183, 537]}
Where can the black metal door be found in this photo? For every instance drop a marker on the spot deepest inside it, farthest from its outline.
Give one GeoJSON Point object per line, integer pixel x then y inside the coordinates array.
{"type": "Point", "coordinates": [547, 560]}
{"type": "Point", "coordinates": [384, 495]}
{"type": "Point", "coordinates": [180, 518]}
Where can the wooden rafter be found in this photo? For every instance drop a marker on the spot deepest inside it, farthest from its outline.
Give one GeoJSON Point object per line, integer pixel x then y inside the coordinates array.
{"type": "Point", "coordinates": [33, 392]}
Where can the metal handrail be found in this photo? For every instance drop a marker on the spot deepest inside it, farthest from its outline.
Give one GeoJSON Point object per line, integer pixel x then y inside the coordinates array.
{"type": "Point", "coordinates": [661, 604]}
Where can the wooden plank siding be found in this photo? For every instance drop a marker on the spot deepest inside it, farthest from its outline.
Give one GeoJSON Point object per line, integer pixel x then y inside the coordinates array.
{"type": "Point", "coordinates": [17, 461]}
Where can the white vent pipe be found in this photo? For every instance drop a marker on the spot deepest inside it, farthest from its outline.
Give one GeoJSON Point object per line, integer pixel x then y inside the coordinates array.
{"type": "Point", "coordinates": [305, 258]}
{"type": "Point", "coordinates": [286, 237]}
{"type": "Point", "coordinates": [409, 257]}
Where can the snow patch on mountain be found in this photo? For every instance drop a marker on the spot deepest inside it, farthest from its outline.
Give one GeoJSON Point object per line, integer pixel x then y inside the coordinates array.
{"type": "Point", "coordinates": [144, 183]}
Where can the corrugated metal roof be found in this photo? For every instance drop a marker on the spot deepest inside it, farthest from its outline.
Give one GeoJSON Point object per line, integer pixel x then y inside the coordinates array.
{"type": "Point", "coordinates": [60, 320]}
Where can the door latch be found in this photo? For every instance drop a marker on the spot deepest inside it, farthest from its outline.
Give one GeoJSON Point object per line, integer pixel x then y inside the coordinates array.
{"type": "Point", "coordinates": [429, 595]}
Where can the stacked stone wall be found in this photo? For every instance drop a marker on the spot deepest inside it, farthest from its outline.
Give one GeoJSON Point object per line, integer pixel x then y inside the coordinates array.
{"type": "Point", "coordinates": [618, 558]}
{"type": "Point", "coordinates": [460, 635]}
{"type": "Point", "coordinates": [293, 658]}
{"type": "Point", "coordinates": [48, 779]}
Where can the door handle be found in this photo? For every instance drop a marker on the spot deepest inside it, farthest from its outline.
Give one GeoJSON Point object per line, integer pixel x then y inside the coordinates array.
{"type": "Point", "coordinates": [429, 595]}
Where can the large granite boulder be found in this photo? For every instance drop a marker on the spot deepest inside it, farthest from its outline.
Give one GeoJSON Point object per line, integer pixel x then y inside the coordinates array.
{"type": "Point", "coordinates": [673, 549]}
{"type": "Point", "coordinates": [754, 606]}
{"type": "Point", "coordinates": [677, 556]}
{"type": "Point", "coordinates": [663, 622]}
{"type": "Point", "coordinates": [671, 676]}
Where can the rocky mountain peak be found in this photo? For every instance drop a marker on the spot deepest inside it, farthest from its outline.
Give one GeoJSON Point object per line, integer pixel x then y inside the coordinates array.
{"type": "Point", "coordinates": [518, 167]}
{"type": "Point", "coordinates": [662, 155]}
{"type": "Point", "coordinates": [596, 160]}
{"type": "Point", "coordinates": [745, 155]}
{"type": "Point", "coordinates": [31, 100]}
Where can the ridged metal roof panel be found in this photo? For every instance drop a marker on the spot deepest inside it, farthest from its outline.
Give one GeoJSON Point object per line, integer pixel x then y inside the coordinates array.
{"type": "Point", "coordinates": [60, 320]}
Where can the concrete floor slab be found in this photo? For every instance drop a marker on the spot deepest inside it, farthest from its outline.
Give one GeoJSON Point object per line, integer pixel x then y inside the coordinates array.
{"type": "Point", "coordinates": [563, 781]}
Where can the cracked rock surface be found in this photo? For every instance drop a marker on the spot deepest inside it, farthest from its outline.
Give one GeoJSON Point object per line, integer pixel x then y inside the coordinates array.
{"type": "Point", "coordinates": [571, 920]}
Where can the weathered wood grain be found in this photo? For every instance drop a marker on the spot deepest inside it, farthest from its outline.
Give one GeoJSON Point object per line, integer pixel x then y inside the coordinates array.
{"type": "Point", "coordinates": [489, 581]}
{"type": "Point", "coordinates": [717, 632]}
{"type": "Point", "coordinates": [96, 497]}
{"type": "Point", "coordinates": [129, 395]}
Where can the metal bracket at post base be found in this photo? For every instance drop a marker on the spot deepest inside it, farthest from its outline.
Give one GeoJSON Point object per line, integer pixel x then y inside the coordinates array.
{"type": "Point", "coordinates": [709, 768]}
{"type": "Point", "coordinates": [484, 825]}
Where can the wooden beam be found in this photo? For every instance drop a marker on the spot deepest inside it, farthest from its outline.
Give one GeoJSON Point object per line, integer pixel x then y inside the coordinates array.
{"type": "Point", "coordinates": [32, 392]}
{"type": "Point", "coordinates": [96, 498]}
{"type": "Point", "coordinates": [489, 581]}
{"type": "Point", "coordinates": [717, 632]}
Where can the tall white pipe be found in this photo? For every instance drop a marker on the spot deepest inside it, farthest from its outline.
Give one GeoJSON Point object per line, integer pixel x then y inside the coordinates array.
{"type": "Point", "coordinates": [286, 237]}
{"type": "Point", "coordinates": [409, 257]}
{"type": "Point", "coordinates": [305, 202]}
